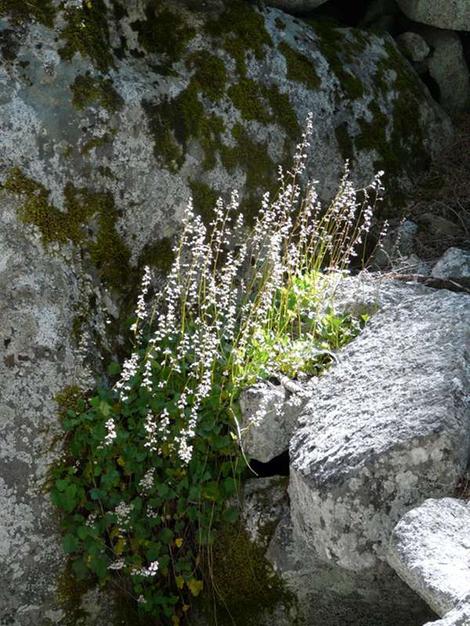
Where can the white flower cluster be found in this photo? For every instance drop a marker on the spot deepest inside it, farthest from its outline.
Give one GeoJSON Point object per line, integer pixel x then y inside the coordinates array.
{"type": "Point", "coordinates": [110, 432]}
{"type": "Point", "coordinates": [146, 483]}
{"type": "Point", "coordinates": [123, 512]}
{"type": "Point", "coordinates": [222, 287]}
{"type": "Point", "coordinates": [117, 565]}
{"type": "Point", "coordinates": [149, 571]}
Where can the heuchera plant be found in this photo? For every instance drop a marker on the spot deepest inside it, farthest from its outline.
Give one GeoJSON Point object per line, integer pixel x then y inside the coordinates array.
{"type": "Point", "coordinates": [152, 464]}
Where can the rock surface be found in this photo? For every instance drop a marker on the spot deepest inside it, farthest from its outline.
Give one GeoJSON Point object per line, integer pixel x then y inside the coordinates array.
{"type": "Point", "coordinates": [447, 66]}
{"type": "Point", "coordinates": [269, 417]}
{"type": "Point", "coordinates": [454, 265]}
{"type": "Point", "coordinates": [385, 428]}
{"type": "Point", "coordinates": [460, 616]}
{"type": "Point", "coordinates": [430, 550]}
{"type": "Point", "coordinates": [451, 14]}
{"type": "Point", "coordinates": [413, 46]}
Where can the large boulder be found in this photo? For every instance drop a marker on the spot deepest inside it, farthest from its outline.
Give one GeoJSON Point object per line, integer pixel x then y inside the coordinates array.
{"type": "Point", "coordinates": [453, 15]}
{"type": "Point", "coordinates": [454, 265]}
{"type": "Point", "coordinates": [430, 550]}
{"type": "Point", "coordinates": [460, 616]}
{"type": "Point", "coordinates": [385, 428]}
{"type": "Point", "coordinates": [447, 66]}
{"type": "Point", "coordinates": [113, 113]}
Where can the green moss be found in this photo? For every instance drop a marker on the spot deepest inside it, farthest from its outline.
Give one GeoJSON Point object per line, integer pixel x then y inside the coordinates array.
{"type": "Point", "coordinates": [299, 68]}
{"type": "Point", "coordinates": [247, 96]}
{"type": "Point", "coordinates": [88, 90]}
{"type": "Point", "coordinates": [163, 31]}
{"type": "Point", "coordinates": [83, 208]}
{"type": "Point", "coordinates": [204, 199]}
{"type": "Point", "coordinates": [210, 73]}
{"type": "Point", "coordinates": [341, 49]}
{"type": "Point", "coordinates": [69, 399]}
{"type": "Point", "coordinates": [280, 23]}
{"type": "Point", "coordinates": [86, 32]}
{"type": "Point", "coordinates": [398, 138]}
{"type": "Point", "coordinates": [241, 29]}
{"type": "Point", "coordinates": [158, 255]}
{"type": "Point", "coordinates": [42, 11]}
{"type": "Point", "coordinates": [283, 111]}
{"type": "Point", "coordinates": [345, 143]}
{"type": "Point", "coordinates": [253, 159]}
{"type": "Point", "coordinates": [173, 123]}
{"type": "Point", "coordinates": [246, 583]}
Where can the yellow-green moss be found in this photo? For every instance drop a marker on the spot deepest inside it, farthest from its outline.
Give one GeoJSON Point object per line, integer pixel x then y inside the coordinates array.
{"type": "Point", "coordinates": [82, 207]}
{"type": "Point", "coordinates": [42, 11]}
{"type": "Point", "coordinates": [96, 142]}
{"type": "Point", "coordinates": [246, 583]}
{"type": "Point", "coordinates": [71, 398]}
{"type": "Point", "coordinates": [86, 32]}
{"type": "Point", "coordinates": [210, 73]}
{"type": "Point", "coordinates": [241, 29]}
{"type": "Point", "coordinates": [163, 31]}
{"type": "Point", "coordinates": [88, 90]}
{"type": "Point", "coordinates": [299, 68]}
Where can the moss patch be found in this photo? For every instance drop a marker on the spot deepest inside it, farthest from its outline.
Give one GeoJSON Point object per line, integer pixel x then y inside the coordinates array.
{"type": "Point", "coordinates": [210, 74]}
{"type": "Point", "coordinates": [345, 143]}
{"type": "Point", "coordinates": [299, 68]}
{"type": "Point", "coordinates": [173, 123]}
{"type": "Point", "coordinates": [341, 49]}
{"type": "Point", "coordinates": [204, 199]}
{"type": "Point", "coordinates": [246, 582]}
{"type": "Point", "coordinates": [86, 33]}
{"type": "Point", "coordinates": [42, 11]}
{"type": "Point", "coordinates": [241, 29]}
{"type": "Point", "coordinates": [158, 255]}
{"type": "Point", "coordinates": [88, 90]}
{"type": "Point", "coordinates": [89, 220]}
{"type": "Point", "coordinates": [253, 159]}
{"type": "Point", "coordinates": [163, 31]}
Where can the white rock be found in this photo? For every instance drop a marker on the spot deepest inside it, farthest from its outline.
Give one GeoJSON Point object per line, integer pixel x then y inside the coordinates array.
{"type": "Point", "coordinates": [269, 417]}
{"type": "Point", "coordinates": [430, 551]}
{"type": "Point", "coordinates": [452, 14]}
{"type": "Point", "coordinates": [413, 46]}
{"type": "Point", "coordinates": [454, 265]}
{"type": "Point", "coordinates": [386, 427]}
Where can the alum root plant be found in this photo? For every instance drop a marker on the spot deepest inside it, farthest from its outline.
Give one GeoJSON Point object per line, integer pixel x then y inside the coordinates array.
{"type": "Point", "coordinates": [152, 462]}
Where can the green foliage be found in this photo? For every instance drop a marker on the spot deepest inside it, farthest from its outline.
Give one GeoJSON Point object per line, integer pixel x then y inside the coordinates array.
{"type": "Point", "coordinates": [86, 32]}
{"type": "Point", "coordinates": [88, 90]}
{"type": "Point", "coordinates": [126, 503]}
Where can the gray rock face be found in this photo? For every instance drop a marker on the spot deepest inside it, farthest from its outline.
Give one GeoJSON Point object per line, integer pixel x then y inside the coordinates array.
{"type": "Point", "coordinates": [454, 14]}
{"type": "Point", "coordinates": [430, 550]}
{"type": "Point", "coordinates": [385, 428]}
{"type": "Point", "coordinates": [269, 417]}
{"type": "Point", "coordinates": [460, 616]}
{"type": "Point", "coordinates": [42, 292]}
{"type": "Point", "coordinates": [454, 265]}
{"type": "Point", "coordinates": [413, 46]}
{"type": "Point", "coordinates": [449, 69]}
{"type": "Point", "coordinates": [332, 596]}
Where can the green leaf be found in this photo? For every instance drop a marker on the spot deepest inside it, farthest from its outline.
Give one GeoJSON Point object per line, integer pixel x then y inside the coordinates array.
{"type": "Point", "coordinates": [70, 543]}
